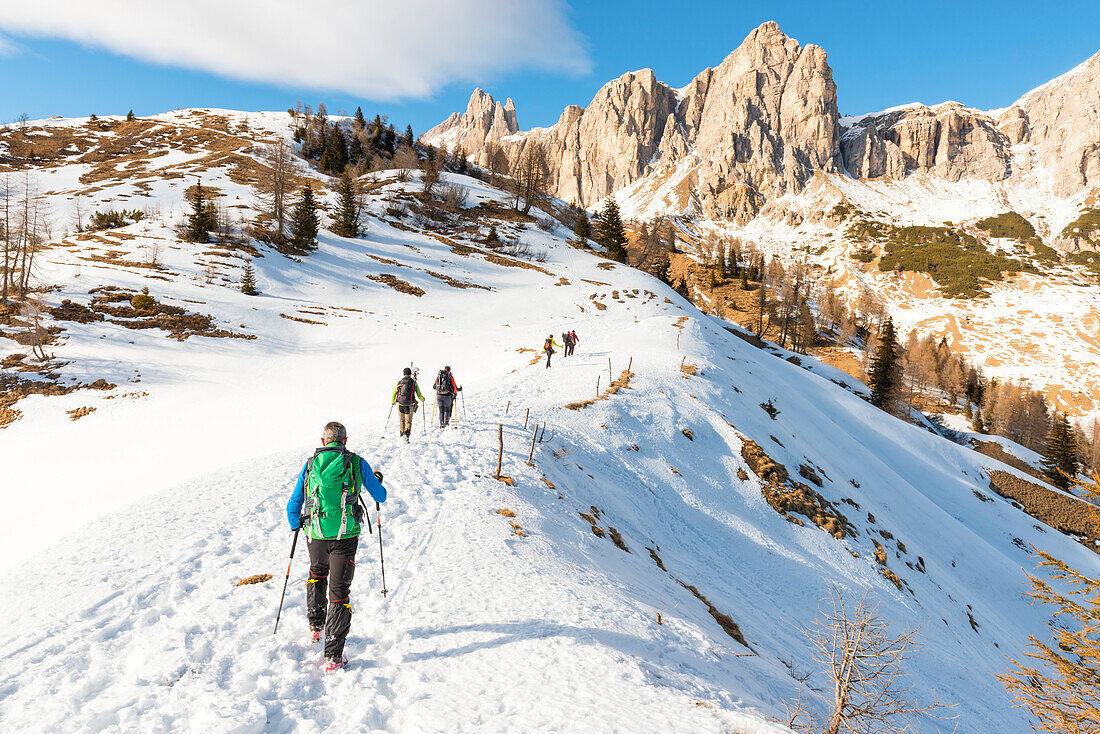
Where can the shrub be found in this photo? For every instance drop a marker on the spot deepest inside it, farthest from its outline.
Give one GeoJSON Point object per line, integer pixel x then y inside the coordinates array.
{"type": "Point", "coordinates": [864, 254]}
{"type": "Point", "coordinates": [111, 219]}
{"type": "Point", "coordinates": [143, 301]}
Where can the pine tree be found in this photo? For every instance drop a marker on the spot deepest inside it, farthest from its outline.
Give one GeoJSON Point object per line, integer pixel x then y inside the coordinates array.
{"type": "Point", "coordinates": [93, 118]}
{"type": "Point", "coordinates": [203, 217]}
{"type": "Point", "coordinates": [248, 280]}
{"type": "Point", "coordinates": [682, 289]}
{"type": "Point", "coordinates": [346, 223]}
{"type": "Point", "coordinates": [611, 234]}
{"type": "Point", "coordinates": [304, 223]}
{"type": "Point", "coordinates": [721, 260]}
{"type": "Point", "coordinates": [130, 116]}
{"type": "Point", "coordinates": [744, 279]}
{"type": "Point", "coordinates": [661, 267]}
{"type": "Point", "coordinates": [976, 423]}
{"type": "Point", "coordinates": [807, 328]}
{"type": "Point", "coordinates": [355, 150]}
{"type": "Point", "coordinates": [1062, 458]}
{"type": "Point", "coordinates": [884, 368]}
{"type": "Point", "coordinates": [360, 121]}
{"type": "Point", "coordinates": [389, 139]}
{"type": "Point", "coordinates": [409, 139]}
{"type": "Point", "coordinates": [492, 238]}
{"type": "Point", "coordinates": [583, 229]}
{"type": "Point", "coordinates": [334, 155]}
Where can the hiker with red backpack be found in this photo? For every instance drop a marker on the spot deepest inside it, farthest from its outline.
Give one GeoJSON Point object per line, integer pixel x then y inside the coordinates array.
{"type": "Point", "coordinates": [568, 342]}
{"type": "Point", "coordinates": [572, 342]}
{"type": "Point", "coordinates": [329, 490]}
{"type": "Point", "coordinates": [446, 389]}
{"type": "Point", "coordinates": [405, 395]}
{"type": "Point", "coordinates": [548, 347]}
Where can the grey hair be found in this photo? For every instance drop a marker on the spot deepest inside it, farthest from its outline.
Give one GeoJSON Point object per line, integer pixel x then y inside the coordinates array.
{"type": "Point", "coordinates": [334, 433]}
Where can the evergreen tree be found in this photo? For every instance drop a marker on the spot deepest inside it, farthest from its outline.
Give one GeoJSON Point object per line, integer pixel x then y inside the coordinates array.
{"type": "Point", "coordinates": [203, 217]}
{"type": "Point", "coordinates": [661, 267]}
{"type": "Point", "coordinates": [130, 116]}
{"type": "Point", "coordinates": [389, 139]}
{"type": "Point", "coordinates": [304, 223]}
{"type": "Point", "coordinates": [721, 260]}
{"type": "Point", "coordinates": [248, 280]}
{"type": "Point", "coordinates": [976, 423]}
{"type": "Point", "coordinates": [492, 238]}
{"type": "Point", "coordinates": [93, 118]}
{"type": "Point", "coordinates": [807, 328]}
{"type": "Point", "coordinates": [1062, 457]}
{"type": "Point", "coordinates": [682, 289]}
{"type": "Point", "coordinates": [583, 229]}
{"type": "Point", "coordinates": [744, 279]}
{"type": "Point", "coordinates": [334, 155]}
{"type": "Point", "coordinates": [611, 234]}
{"type": "Point", "coordinates": [355, 150]}
{"type": "Point", "coordinates": [360, 121]}
{"type": "Point", "coordinates": [884, 375]}
{"type": "Point", "coordinates": [346, 223]}
{"type": "Point", "coordinates": [409, 139]}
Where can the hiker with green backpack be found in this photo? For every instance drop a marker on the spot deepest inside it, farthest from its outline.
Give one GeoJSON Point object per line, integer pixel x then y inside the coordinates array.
{"type": "Point", "coordinates": [327, 502]}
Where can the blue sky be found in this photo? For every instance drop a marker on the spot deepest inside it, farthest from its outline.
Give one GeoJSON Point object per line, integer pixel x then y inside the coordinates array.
{"type": "Point", "coordinates": [543, 53]}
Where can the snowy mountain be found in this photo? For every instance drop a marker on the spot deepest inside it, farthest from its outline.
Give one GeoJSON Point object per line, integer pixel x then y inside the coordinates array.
{"type": "Point", "coordinates": [647, 570]}
{"type": "Point", "coordinates": [756, 148]}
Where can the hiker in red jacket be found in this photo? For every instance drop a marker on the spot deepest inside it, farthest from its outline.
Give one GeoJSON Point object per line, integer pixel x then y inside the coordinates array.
{"type": "Point", "coordinates": [446, 389]}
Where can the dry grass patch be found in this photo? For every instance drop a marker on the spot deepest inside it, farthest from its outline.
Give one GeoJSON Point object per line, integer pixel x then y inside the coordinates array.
{"type": "Point", "coordinates": [1066, 514]}
{"type": "Point", "coordinates": [13, 389]}
{"type": "Point", "coordinates": [788, 497]}
{"type": "Point", "coordinates": [994, 450]}
{"type": "Point", "coordinates": [78, 413]}
{"type": "Point", "coordinates": [619, 384]}
{"type": "Point", "coordinates": [506, 512]}
{"type": "Point", "coordinates": [256, 578]}
{"type": "Point", "coordinates": [301, 320]}
{"type": "Point", "coordinates": [724, 620]}
{"type": "Point", "coordinates": [397, 284]}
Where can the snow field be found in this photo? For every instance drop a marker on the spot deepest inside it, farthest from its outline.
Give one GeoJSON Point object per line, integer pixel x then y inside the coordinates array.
{"type": "Point", "coordinates": [132, 621]}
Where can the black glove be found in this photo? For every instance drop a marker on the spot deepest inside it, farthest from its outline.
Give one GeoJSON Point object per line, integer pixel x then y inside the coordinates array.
{"type": "Point", "coordinates": [460, 388]}
{"type": "Point", "coordinates": [378, 476]}
{"type": "Point", "coordinates": [302, 522]}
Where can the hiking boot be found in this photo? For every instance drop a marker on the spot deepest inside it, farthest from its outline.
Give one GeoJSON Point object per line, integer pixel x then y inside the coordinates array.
{"type": "Point", "coordinates": [315, 634]}
{"type": "Point", "coordinates": [332, 664]}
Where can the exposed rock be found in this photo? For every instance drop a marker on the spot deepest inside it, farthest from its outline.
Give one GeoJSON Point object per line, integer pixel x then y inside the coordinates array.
{"type": "Point", "coordinates": [1065, 127]}
{"type": "Point", "coordinates": [949, 141]}
{"type": "Point", "coordinates": [763, 122]}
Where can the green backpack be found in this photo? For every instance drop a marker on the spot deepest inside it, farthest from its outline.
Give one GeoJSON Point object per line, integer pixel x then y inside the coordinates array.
{"type": "Point", "coordinates": [332, 494]}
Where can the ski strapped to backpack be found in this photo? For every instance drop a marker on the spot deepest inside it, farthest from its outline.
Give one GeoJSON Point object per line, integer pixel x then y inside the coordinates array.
{"type": "Point", "coordinates": [333, 469]}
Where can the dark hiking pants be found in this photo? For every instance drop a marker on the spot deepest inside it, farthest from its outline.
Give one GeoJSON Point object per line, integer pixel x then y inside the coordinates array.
{"type": "Point", "coordinates": [549, 354]}
{"type": "Point", "coordinates": [446, 406]}
{"type": "Point", "coordinates": [331, 564]}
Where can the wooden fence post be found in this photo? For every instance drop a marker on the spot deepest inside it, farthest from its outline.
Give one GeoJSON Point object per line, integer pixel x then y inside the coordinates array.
{"type": "Point", "coordinates": [532, 452]}
{"type": "Point", "coordinates": [598, 385]}
{"type": "Point", "coordinates": [506, 407]}
{"type": "Point", "coordinates": [525, 417]}
{"type": "Point", "coordinates": [500, 446]}
{"type": "Point", "coordinates": [629, 365]}
{"type": "Point", "coordinates": [610, 374]}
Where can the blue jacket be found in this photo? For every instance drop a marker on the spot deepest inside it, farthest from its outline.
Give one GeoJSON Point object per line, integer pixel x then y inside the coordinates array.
{"type": "Point", "coordinates": [298, 496]}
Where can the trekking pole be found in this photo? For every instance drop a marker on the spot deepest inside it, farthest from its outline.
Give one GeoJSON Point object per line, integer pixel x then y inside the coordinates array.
{"type": "Point", "coordinates": [433, 410]}
{"type": "Point", "coordinates": [463, 399]}
{"type": "Point", "coordinates": [381, 558]}
{"type": "Point", "coordinates": [293, 545]}
{"type": "Point", "coordinates": [386, 427]}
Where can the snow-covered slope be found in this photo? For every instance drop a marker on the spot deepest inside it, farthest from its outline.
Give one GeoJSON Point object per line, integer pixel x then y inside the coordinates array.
{"type": "Point", "coordinates": [124, 615]}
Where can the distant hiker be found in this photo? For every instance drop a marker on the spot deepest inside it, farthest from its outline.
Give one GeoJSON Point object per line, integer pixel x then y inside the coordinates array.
{"type": "Point", "coordinates": [445, 391]}
{"type": "Point", "coordinates": [573, 340]}
{"type": "Point", "coordinates": [405, 395]}
{"type": "Point", "coordinates": [548, 347]}
{"type": "Point", "coordinates": [327, 502]}
{"type": "Point", "coordinates": [568, 342]}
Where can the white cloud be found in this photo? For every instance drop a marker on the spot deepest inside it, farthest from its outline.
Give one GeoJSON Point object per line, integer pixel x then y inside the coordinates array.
{"type": "Point", "coordinates": [8, 47]}
{"type": "Point", "coordinates": [384, 49]}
